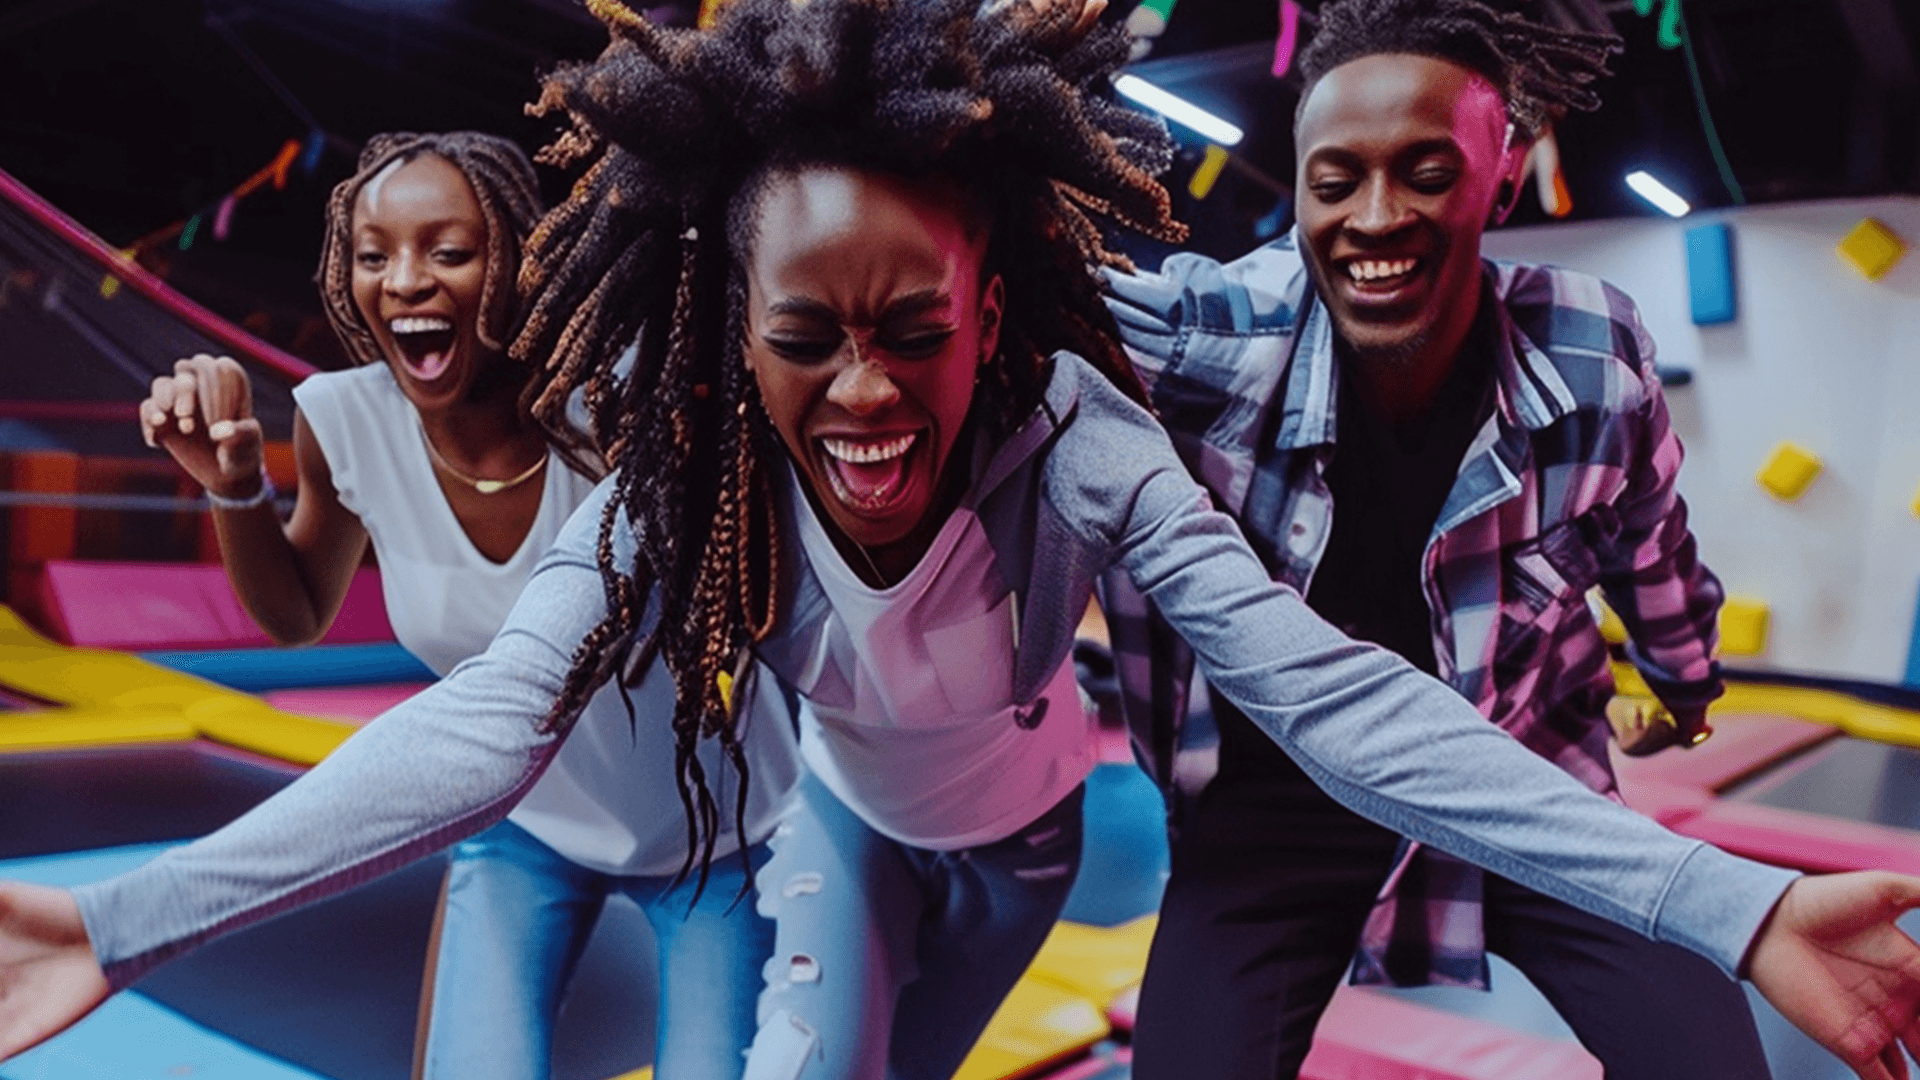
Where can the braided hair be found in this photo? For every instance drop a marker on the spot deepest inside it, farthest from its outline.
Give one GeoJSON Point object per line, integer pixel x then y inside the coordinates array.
{"type": "Point", "coordinates": [1541, 71]}
{"type": "Point", "coordinates": [678, 132]}
{"type": "Point", "coordinates": [503, 183]}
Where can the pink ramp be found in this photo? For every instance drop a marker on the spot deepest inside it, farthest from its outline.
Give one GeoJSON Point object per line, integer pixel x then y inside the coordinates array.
{"type": "Point", "coordinates": [135, 606]}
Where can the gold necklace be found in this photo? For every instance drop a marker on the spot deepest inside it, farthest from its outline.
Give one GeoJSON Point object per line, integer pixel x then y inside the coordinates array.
{"type": "Point", "coordinates": [484, 487]}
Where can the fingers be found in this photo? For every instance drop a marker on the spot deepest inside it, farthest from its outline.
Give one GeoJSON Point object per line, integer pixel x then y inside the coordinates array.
{"type": "Point", "coordinates": [236, 445]}
{"type": "Point", "coordinates": [202, 391]}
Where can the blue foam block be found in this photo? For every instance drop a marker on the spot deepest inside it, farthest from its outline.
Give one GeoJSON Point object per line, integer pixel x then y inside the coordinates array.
{"type": "Point", "coordinates": [1913, 650]}
{"type": "Point", "coordinates": [1710, 273]}
{"type": "Point", "coordinates": [259, 670]}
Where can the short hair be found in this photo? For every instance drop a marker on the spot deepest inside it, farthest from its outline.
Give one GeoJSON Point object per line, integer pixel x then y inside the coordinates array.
{"type": "Point", "coordinates": [1540, 71]}
{"type": "Point", "coordinates": [503, 184]}
{"type": "Point", "coordinates": [678, 130]}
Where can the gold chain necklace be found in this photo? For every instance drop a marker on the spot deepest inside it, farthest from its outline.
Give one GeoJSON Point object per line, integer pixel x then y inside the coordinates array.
{"type": "Point", "coordinates": [484, 487]}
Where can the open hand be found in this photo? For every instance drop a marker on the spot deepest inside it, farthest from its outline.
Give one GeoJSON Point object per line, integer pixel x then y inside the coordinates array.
{"type": "Point", "coordinates": [1832, 961]}
{"type": "Point", "coordinates": [202, 414]}
{"type": "Point", "coordinates": [48, 975]}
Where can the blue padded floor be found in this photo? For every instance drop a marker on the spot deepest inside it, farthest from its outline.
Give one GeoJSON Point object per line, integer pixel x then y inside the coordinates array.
{"type": "Point", "coordinates": [130, 1037]}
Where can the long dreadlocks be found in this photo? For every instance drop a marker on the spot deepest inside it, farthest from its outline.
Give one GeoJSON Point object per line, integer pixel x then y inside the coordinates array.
{"type": "Point", "coordinates": [509, 195]}
{"type": "Point", "coordinates": [677, 129]}
{"type": "Point", "coordinates": [1541, 71]}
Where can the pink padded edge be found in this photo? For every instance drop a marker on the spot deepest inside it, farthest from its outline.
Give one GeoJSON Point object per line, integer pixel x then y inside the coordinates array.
{"type": "Point", "coordinates": [1742, 744]}
{"type": "Point", "coordinates": [135, 605]}
{"type": "Point", "coordinates": [354, 704]}
{"type": "Point", "coordinates": [1368, 1036]}
{"type": "Point", "coordinates": [1804, 841]}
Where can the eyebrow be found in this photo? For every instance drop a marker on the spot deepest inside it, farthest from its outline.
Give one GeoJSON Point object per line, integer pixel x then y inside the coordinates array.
{"type": "Point", "coordinates": [1342, 155]}
{"type": "Point", "coordinates": [905, 306]}
{"type": "Point", "coordinates": [432, 226]}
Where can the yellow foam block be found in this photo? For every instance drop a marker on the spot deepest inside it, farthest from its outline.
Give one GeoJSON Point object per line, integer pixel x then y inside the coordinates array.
{"type": "Point", "coordinates": [1037, 1025]}
{"type": "Point", "coordinates": [1788, 471]}
{"type": "Point", "coordinates": [644, 1072]}
{"type": "Point", "coordinates": [1743, 626]}
{"type": "Point", "coordinates": [1095, 962]}
{"type": "Point", "coordinates": [1872, 248]}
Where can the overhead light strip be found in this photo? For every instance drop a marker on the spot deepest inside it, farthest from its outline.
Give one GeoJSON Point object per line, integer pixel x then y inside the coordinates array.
{"type": "Point", "coordinates": [1657, 193]}
{"type": "Point", "coordinates": [1180, 111]}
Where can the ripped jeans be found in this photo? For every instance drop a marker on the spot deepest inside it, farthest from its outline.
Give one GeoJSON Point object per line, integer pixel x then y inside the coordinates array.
{"type": "Point", "coordinates": [888, 959]}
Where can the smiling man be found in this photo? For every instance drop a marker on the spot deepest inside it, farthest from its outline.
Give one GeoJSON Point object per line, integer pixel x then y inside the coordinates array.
{"type": "Point", "coordinates": [1444, 454]}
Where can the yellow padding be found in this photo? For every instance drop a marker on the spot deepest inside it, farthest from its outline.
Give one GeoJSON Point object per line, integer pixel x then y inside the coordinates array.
{"type": "Point", "coordinates": [60, 729]}
{"type": "Point", "coordinates": [1095, 962]}
{"type": "Point", "coordinates": [1788, 471]}
{"type": "Point", "coordinates": [1039, 1024]}
{"type": "Point", "coordinates": [108, 697]}
{"type": "Point", "coordinates": [644, 1072]}
{"type": "Point", "coordinates": [1743, 626]}
{"type": "Point", "coordinates": [1862, 719]}
{"type": "Point", "coordinates": [1612, 630]}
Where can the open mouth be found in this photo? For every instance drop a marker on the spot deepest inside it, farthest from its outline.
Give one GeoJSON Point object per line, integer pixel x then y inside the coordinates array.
{"type": "Point", "coordinates": [425, 343]}
{"type": "Point", "coordinates": [868, 475]}
{"type": "Point", "coordinates": [1381, 276]}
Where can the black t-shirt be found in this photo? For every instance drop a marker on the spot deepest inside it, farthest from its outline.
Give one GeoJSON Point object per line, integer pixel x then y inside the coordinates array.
{"type": "Point", "coordinates": [1388, 483]}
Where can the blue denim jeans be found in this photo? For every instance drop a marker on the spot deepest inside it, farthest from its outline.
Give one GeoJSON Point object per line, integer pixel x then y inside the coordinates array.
{"type": "Point", "coordinates": [889, 959]}
{"type": "Point", "coordinates": [517, 918]}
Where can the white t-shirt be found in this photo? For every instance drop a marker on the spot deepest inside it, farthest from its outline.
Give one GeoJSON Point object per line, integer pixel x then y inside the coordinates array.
{"type": "Point", "coordinates": [910, 718]}
{"type": "Point", "coordinates": [608, 801]}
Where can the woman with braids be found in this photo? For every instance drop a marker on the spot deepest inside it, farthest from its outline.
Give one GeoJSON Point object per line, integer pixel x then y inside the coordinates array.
{"type": "Point", "coordinates": [878, 438]}
{"type": "Point", "coordinates": [1459, 451]}
{"type": "Point", "coordinates": [424, 449]}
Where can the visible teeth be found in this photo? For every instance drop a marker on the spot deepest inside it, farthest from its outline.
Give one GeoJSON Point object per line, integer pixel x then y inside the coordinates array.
{"type": "Point", "coordinates": [419, 324]}
{"type": "Point", "coordinates": [867, 453]}
{"type": "Point", "coordinates": [1370, 269]}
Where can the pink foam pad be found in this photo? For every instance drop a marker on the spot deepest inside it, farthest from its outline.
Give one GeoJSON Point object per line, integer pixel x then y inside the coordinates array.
{"type": "Point", "coordinates": [1804, 841]}
{"type": "Point", "coordinates": [1668, 804]}
{"type": "Point", "coordinates": [135, 605]}
{"type": "Point", "coordinates": [1369, 1036]}
{"type": "Point", "coordinates": [1742, 745]}
{"type": "Point", "coordinates": [354, 704]}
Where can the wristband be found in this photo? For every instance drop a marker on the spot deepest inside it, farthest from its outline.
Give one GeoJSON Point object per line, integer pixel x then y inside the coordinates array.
{"type": "Point", "coordinates": [259, 498]}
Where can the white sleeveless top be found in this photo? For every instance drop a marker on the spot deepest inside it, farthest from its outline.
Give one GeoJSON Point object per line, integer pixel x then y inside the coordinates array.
{"type": "Point", "coordinates": [910, 718]}
{"type": "Point", "coordinates": [608, 801]}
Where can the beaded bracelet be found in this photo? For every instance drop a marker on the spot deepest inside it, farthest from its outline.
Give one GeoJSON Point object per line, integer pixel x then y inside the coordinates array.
{"type": "Point", "coordinates": [259, 498]}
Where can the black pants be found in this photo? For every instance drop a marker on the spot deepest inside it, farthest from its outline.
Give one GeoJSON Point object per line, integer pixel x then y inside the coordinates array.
{"type": "Point", "coordinates": [1271, 883]}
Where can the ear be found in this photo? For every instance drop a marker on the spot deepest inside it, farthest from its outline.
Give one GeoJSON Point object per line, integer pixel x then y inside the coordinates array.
{"type": "Point", "coordinates": [1514, 159]}
{"type": "Point", "coordinates": [993, 301]}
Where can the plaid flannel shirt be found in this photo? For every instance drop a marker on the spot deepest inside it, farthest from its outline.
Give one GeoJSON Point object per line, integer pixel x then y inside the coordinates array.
{"type": "Point", "coordinates": [1569, 484]}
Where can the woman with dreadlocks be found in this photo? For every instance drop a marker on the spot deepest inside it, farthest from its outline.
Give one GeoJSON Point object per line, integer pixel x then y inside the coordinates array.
{"type": "Point", "coordinates": [424, 449]}
{"type": "Point", "coordinates": [878, 437]}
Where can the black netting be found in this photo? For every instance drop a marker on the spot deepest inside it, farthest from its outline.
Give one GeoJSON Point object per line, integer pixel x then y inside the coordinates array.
{"type": "Point", "coordinates": [77, 351]}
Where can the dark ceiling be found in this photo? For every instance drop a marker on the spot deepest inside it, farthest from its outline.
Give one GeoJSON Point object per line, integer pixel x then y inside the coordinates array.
{"type": "Point", "coordinates": [133, 115]}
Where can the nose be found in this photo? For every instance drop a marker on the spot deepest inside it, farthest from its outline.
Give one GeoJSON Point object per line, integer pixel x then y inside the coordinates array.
{"type": "Point", "coordinates": [1381, 209]}
{"type": "Point", "coordinates": [863, 387]}
{"type": "Point", "coordinates": [407, 277]}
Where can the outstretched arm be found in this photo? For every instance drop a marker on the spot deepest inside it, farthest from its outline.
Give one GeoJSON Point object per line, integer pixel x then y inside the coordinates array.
{"type": "Point", "coordinates": [1403, 749]}
{"type": "Point", "coordinates": [440, 766]}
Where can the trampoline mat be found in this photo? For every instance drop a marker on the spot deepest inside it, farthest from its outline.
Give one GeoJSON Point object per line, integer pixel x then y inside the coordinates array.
{"type": "Point", "coordinates": [333, 987]}
{"type": "Point", "coordinates": [1849, 778]}
{"type": "Point", "coordinates": [78, 800]}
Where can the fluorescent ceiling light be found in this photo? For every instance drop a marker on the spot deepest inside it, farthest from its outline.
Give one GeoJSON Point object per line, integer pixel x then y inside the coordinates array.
{"type": "Point", "coordinates": [1137, 89]}
{"type": "Point", "coordinates": [1657, 193]}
